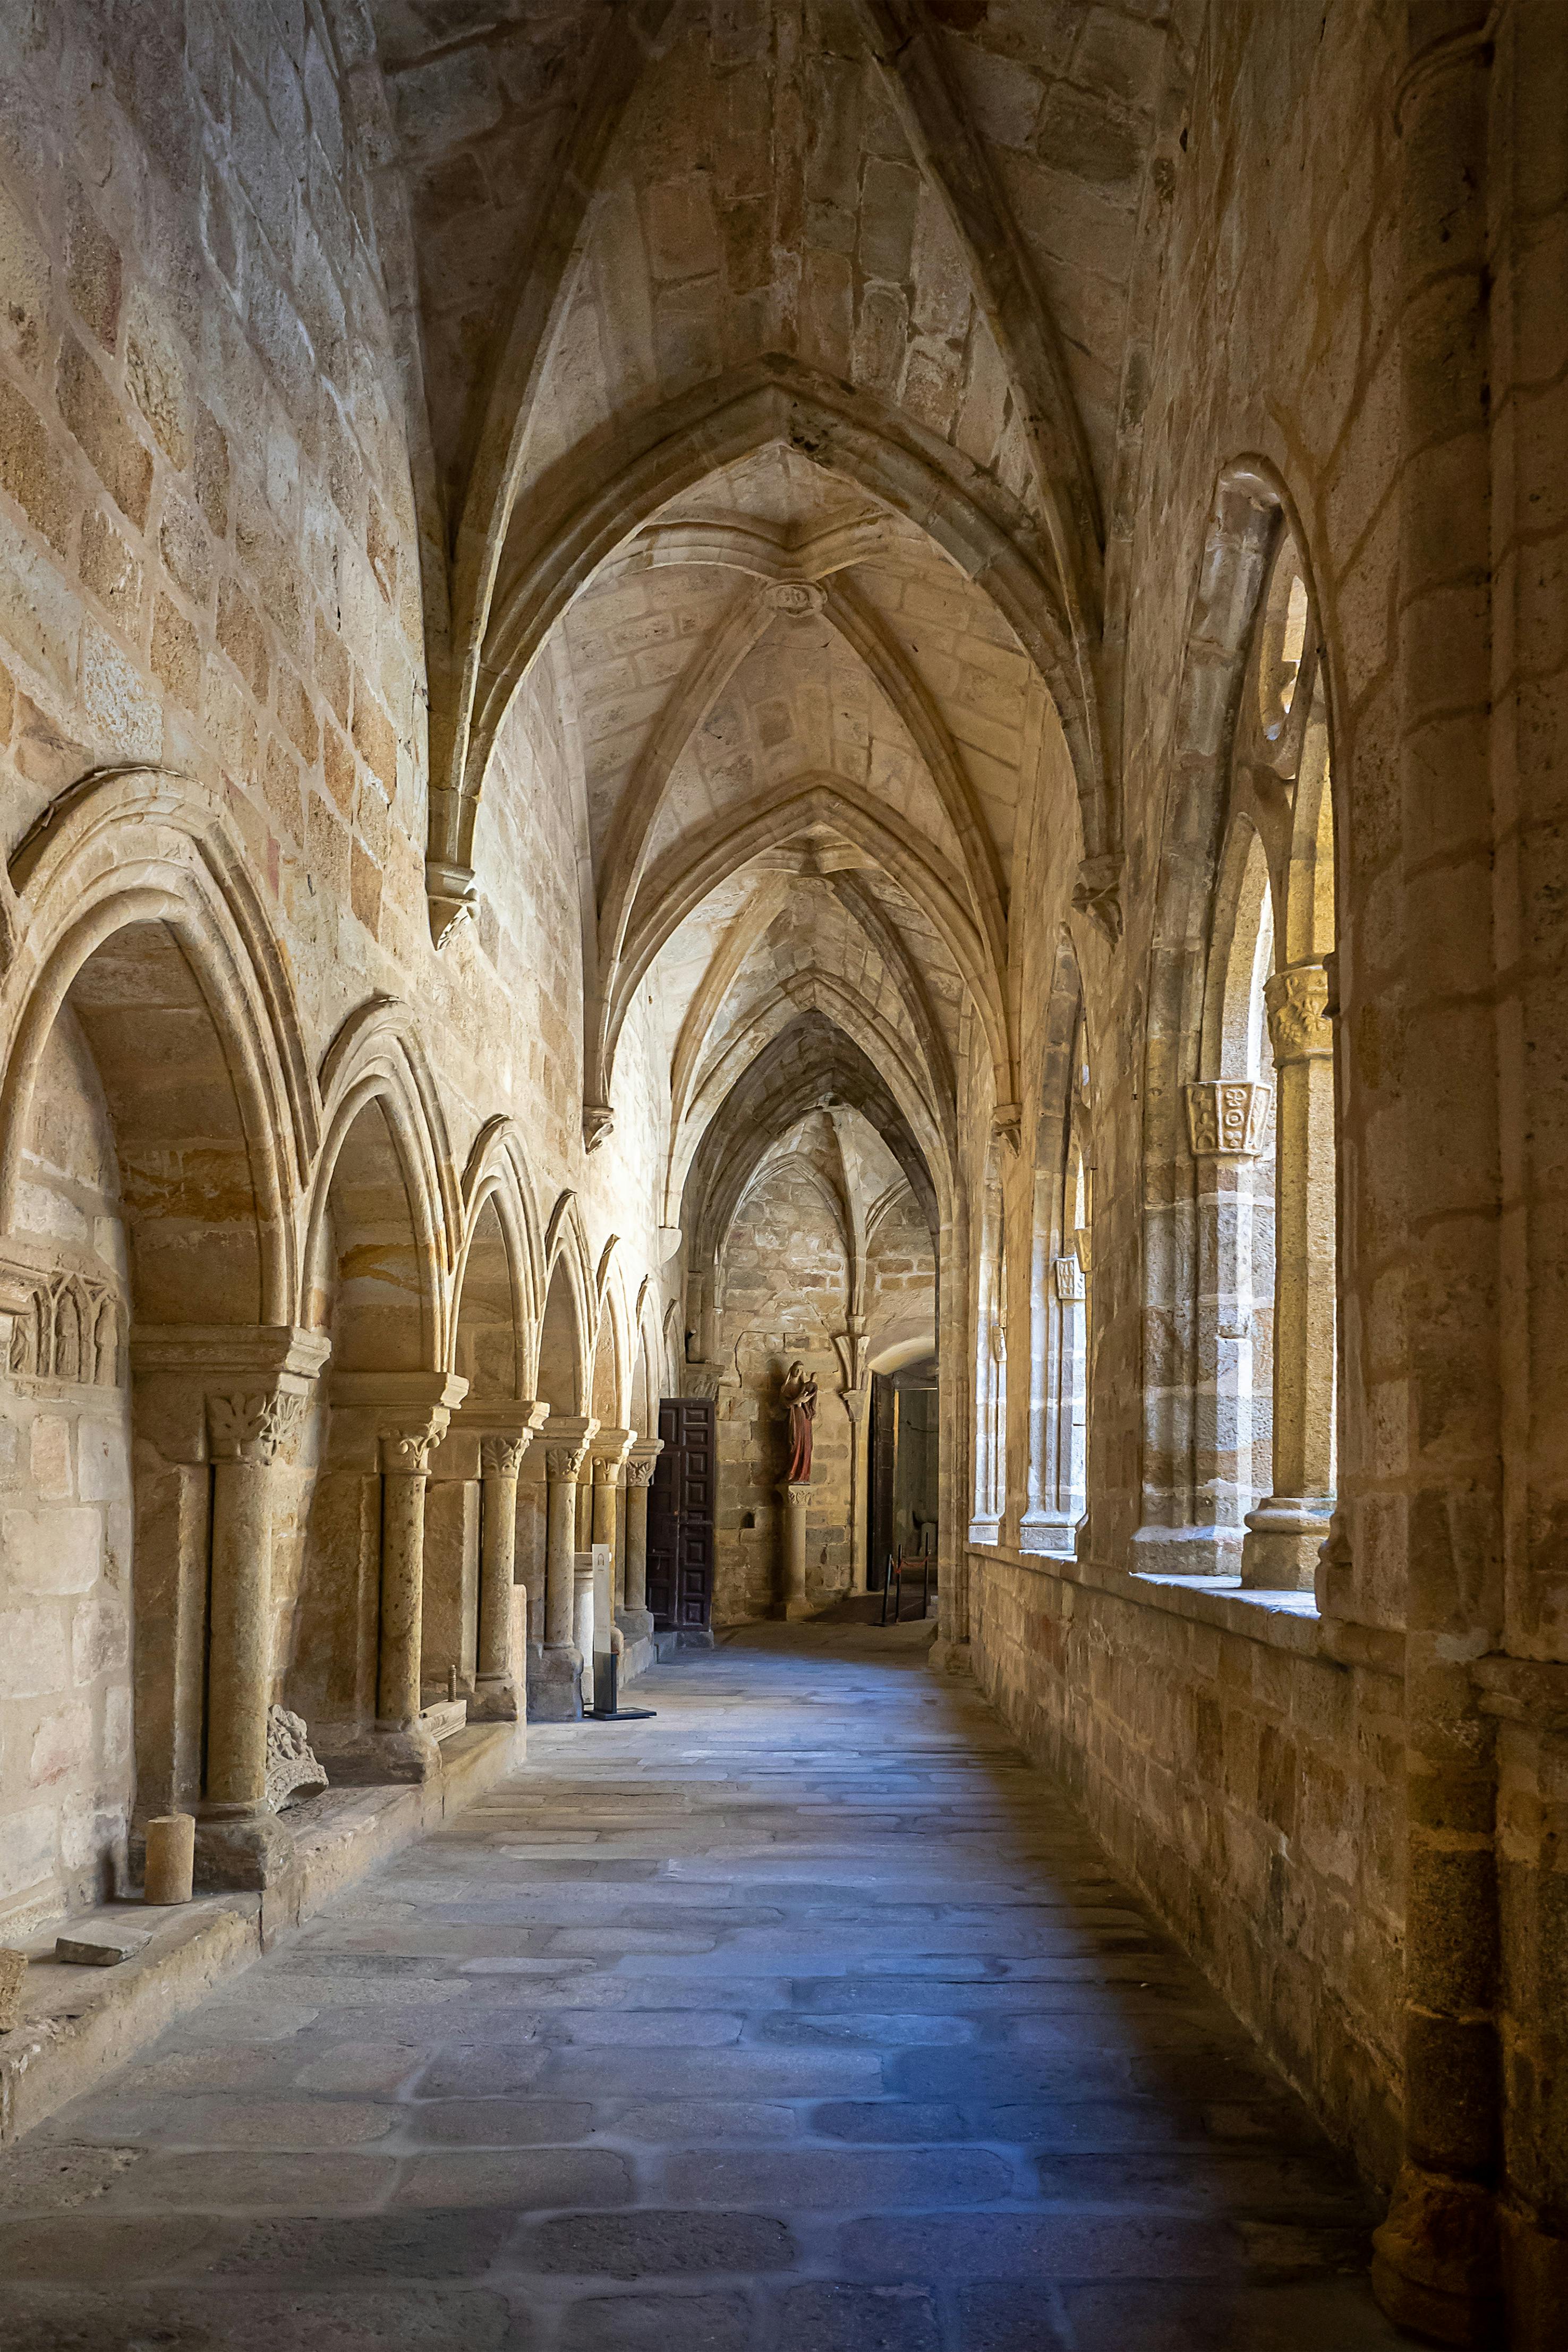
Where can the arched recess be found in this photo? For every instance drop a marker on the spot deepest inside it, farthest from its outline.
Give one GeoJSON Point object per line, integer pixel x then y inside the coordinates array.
{"type": "Point", "coordinates": [151, 1097]}
{"type": "Point", "coordinates": [593, 500]}
{"type": "Point", "coordinates": [1058, 1272]}
{"type": "Point", "coordinates": [1239, 1013]}
{"type": "Point", "coordinates": [376, 1279]}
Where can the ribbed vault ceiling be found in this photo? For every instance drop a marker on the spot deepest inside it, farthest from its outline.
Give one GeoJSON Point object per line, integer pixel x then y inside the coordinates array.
{"type": "Point", "coordinates": [775, 355]}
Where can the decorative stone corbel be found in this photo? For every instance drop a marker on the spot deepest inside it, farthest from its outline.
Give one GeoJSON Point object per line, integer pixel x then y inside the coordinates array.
{"type": "Point", "coordinates": [1227, 1116]}
{"type": "Point", "coordinates": [1098, 892]}
{"type": "Point", "coordinates": [453, 893]}
{"type": "Point", "coordinates": [1070, 1281]}
{"type": "Point", "coordinates": [1007, 1125]}
{"type": "Point", "coordinates": [598, 1124]}
{"type": "Point", "coordinates": [1299, 1029]}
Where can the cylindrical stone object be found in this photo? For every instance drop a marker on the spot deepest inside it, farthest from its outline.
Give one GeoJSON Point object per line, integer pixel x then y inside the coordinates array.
{"type": "Point", "coordinates": [171, 1859]}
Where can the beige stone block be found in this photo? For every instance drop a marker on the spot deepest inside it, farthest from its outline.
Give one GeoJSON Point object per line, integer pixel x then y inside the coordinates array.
{"type": "Point", "coordinates": [93, 275]}
{"type": "Point", "coordinates": [100, 1642]}
{"type": "Point", "coordinates": [39, 617]}
{"type": "Point", "coordinates": [49, 1446]}
{"type": "Point", "coordinates": [62, 1743]}
{"type": "Point", "coordinates": [91, 412]}
{"type": "Point", "coordinates": [51, 1552]}
{"type": "Point", "coordinates": [27, 1850]}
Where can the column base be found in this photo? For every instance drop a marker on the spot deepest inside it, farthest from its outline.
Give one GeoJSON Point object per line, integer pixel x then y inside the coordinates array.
{"type": "Point", "coordinates": [1209, 1550]}
{"type": "Point", "coordinates": [241, 1851]}
{"type": "Point", "coordinates": [555, 1685]}
{"type": "Point", "coordinates": [404, 1754]}
{"type": "Point", "coordinates": [496, 1699]}
{"type": "Point", "coordinates": [1434, 2261]}
{"type": "Point", "coordinates": [1049, 1534]}
{"type": "Point", "coordinates": [948, 1657]}
{"type": "Point", "coordinates": [797, 1606]}
{"type": "Point", "coordinates": [636, 1624]}
{"type": "Point", "coordinates": [1284, 1537]}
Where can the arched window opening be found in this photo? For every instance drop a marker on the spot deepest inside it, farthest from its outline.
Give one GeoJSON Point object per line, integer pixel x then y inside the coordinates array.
{"type": "Point", "coordinates": [1060, 1278]}
{"type": "Point", "coordinates": [1262, 1118]}
{"type": "Point", "coordinates": [990, 1375]}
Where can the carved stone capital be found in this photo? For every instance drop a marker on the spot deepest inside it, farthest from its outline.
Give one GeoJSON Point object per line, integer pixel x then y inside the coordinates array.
{"type": "Point", "coordinates": [797, 1495]}
{"type": "Point", "coordinates": [1227, 1116]}
{"type": "Point", "coordinates": [405, 1451]}
{"type": "Point", "coordinates": [563, 1462]}
{"type": "Point", "coordinates": [502, 1457]}
{"type": "Point", "coordinates": [642, 1464]}
{"type": "Point", "coordinates": [1299, 1025]}
{"type": "Point", "coordinates": [257, 1426]}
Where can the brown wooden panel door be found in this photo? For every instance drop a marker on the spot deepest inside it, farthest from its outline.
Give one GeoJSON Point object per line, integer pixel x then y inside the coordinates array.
{"type": "Point", "coordinates": [663, 1519]}
{"type": "Point", "coordinates": [698, 1445]}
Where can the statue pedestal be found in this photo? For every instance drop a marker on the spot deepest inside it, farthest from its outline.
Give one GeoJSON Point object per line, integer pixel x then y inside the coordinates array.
{"type": "Point", "coordinates": [796, 1497]}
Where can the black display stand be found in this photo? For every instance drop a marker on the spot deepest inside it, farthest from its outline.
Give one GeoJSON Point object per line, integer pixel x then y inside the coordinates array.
{"type": "Point", "coordinates": [607, 1686]}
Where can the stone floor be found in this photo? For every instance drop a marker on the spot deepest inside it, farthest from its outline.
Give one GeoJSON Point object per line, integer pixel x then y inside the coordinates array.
{"type": "Point", "coordinates": [803, 2018]}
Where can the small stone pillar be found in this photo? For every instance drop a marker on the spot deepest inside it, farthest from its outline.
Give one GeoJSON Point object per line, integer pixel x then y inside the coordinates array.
{"type": "Point", "coordinates": [404, 1468]}
{"type": "Point", "coordinates": [1286, 1533]}
{"type": "Point", "coordinates": [796, 1497]}
{"type": "Point", "coordinates": [406, 1414]}
{"type": "Point", "coordinates": [582, 1571]}
{"type": "Point", "coordinates": [611, 1447]}
{"type": "Point", "coordinates": [554, 1691]}
{"type": "Point", "coordinates": [240, 1835]}
{"type": "Point", "coordinates": [498, 1681]}
{"type": "Point", "coordinates": [637, 1618]}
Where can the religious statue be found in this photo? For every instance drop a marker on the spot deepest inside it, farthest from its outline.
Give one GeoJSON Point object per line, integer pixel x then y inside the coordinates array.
{"type": "Point", "coordinates": [799, 1394]}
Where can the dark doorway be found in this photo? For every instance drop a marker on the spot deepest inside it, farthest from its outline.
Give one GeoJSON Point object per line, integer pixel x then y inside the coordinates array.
{"type": "Point", "coordinates": [903, 1481]}
{"type": "Point", "coordinates": [680, 1517]}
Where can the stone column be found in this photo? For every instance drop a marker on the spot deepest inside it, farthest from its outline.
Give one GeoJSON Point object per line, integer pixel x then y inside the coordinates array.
{"type": "Point", "coordinates": [611, 1447]}
{"type": "Point", "coordinates": [796, 1498]}
{"type": "Point", "coordinates": [1423, 1006]}
{"type": "Point", "coordinates": [637, 1618]}
{"type": "Point", "coordinates": [855, 1402]}
{"type": "Point", "coordinates": [1286, 1533]}
{"type": "Point", "coordinates": [497, 1684]}
{"type": "Point", "coordinates": [554, 1694]}
{"type": "Point", "coordinates": [1227, 1124]}
{"type": "Point", "coordinates": [404, 1467]}
{"type": "Point", "coordinates": [240, 1841]}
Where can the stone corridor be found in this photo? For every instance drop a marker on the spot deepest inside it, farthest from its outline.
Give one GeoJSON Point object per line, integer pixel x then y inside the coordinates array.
{"type": "Point", "coordinates": [804, 2018]}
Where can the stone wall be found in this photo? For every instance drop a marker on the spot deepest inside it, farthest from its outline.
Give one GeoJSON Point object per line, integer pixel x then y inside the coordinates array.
{"type": "Point", "coordinates": [1250, 1782]}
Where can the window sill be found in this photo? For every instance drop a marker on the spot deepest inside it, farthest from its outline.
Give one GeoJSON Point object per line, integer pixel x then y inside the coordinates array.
{"type": "Point", "coordinates": [1281, 1621]}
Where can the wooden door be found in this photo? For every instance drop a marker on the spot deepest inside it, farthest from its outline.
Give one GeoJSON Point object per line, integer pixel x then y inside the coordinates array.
{"type": "Point", "coordinates": [664, 1519]}
{"type": "Point", "coordinates": [883, 1451]}
{"type": "Point", "coordinates": [681, 1515]}
{"type": "Point", "coordinates": [698, 1468]}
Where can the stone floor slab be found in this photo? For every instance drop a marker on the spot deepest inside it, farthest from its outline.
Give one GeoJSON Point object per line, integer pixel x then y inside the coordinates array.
{"type": "Point", "coordinates": [803, 2017]}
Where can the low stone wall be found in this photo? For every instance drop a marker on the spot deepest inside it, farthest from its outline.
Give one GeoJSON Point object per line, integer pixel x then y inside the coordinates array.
{"type": "Point", "coordinates": [1247, 1781]}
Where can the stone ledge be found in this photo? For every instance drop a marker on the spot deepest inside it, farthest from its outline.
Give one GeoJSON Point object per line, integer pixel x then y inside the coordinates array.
{"type": "Point", "coordinates": [79, 2025]}
{"type": "Point", "coordinates": [1281, 1621]}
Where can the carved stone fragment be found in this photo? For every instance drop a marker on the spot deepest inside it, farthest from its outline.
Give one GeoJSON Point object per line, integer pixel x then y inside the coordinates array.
{"type": "Point", "coordinates": [292, 1770]}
